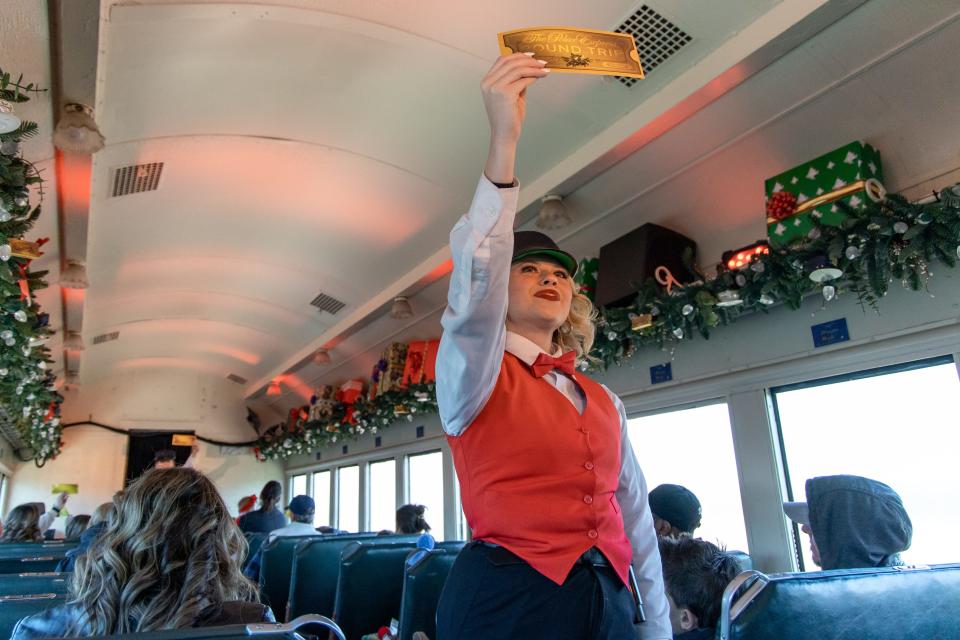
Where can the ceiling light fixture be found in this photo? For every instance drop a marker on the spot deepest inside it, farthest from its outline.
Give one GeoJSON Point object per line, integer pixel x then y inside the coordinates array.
{"type": "Point", "coordinates": [74, 276]}
{"type": "Point", "coordinates": [321, 357]}
{"type": "Point", "coordinates": [553, 213]}
{"type": "Point", "coordinates": [401, 309]}
{"type": "Point", "coordinates": [274, 388]}
{"type": "Point", "coordinates": [9, 122]}
{"type": "Point", "coordinates": [76, 130]}
{"type": "Point", "coordinates": [74, 341]}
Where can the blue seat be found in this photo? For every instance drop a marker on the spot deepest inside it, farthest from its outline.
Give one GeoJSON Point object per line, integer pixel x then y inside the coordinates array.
{"type": "Point", "coordinates": [370, 586]}
{"type": "Point", "coordinates": [276, 561]}
{"type": "Point", "coordinates": [316, 565]}
{"type": "Point", "coordinates": [35, 560]}
{"type": "Point", "coordinates": [13, 584]}
{"type": "Point", "coordinates": [15, 607]}
{"type": "Point", "coordinates": [254, 542]}
{"type": "Point", "coordinates": [304, 627]}
{"type": "Point", "coordinates": [890, 603]}
{"type": "Point", "coordinates": [422, 584]}
{"type": "Point", "coordinates": [743, 559]}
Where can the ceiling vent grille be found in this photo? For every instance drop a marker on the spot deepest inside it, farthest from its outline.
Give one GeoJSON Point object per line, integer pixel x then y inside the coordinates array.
{"type": "Point", "coordinates": [328, 303]}
{"type": "Point", "coordinates": [235, 378]}
{"type": "Point", "coordinates": [657, 39]}
{"type": "Point", "coordinates": [106, 337]}
{"type": "Point", "coordinates": [136, 178]}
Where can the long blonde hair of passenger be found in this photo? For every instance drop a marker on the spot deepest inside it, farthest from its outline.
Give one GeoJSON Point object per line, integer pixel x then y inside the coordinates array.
{"type": "Point", "coordinates": [22, 524]}
{"type": "Point", "coordinates": [170, 558]}
{"type": "Point", "coordinates": [577, 331]}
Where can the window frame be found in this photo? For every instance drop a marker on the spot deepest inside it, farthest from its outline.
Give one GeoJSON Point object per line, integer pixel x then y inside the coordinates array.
{"type": "Point", "coordinates": [864, 374]}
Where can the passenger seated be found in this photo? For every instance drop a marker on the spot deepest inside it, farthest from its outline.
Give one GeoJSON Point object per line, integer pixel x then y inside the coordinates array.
{"type": "Point", "coordinates": [301, 510]}
{"type": "Point", "coordinates": [98, 524]}
{"type": "Point", "coordinates": [410, 519]}
{"type": "Point", "coordinates": [853, 522]}
{"type": "Point", "coordinates": [170, 559]}
{"type": "Point", "coordinates": [76, 525]}
{"type": "Point", "coordinates": [676, 511]}
{"type": "Point", "coordinates": [267, 518]}
{"type": "Point", "coordinates": [695, 573]}
{"type": "Point", "coordinates": [27, 522]}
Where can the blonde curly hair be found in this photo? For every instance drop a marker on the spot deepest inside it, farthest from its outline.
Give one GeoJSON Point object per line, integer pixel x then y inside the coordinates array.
{"type": "Point", "coordinates": [577, 331]}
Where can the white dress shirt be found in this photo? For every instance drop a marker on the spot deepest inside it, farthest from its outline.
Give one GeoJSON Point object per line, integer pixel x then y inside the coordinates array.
{"type": "Point", "coordinates": [471, 352]}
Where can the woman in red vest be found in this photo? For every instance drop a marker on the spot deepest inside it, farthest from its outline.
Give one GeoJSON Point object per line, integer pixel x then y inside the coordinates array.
{"type": "Point", "coordinates": [550, 485]}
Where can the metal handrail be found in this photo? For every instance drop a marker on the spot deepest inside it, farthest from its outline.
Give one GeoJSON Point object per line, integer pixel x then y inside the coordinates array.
{"type": "Point", "coordinates": [268, 628]}
{"type": "Point", "coordinates": [754, 582]}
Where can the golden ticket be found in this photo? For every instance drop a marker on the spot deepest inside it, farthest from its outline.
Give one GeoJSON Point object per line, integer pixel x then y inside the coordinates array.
{"type": "Point", "coordinates": [577, 50]}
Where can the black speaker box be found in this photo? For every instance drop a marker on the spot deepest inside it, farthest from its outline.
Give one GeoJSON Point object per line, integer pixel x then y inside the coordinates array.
{"type": "Point", "coordinates": [629, 260]}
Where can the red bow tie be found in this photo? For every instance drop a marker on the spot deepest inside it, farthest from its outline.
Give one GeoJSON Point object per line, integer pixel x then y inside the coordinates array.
{"type": "Point", "coordinates": [544, 364]}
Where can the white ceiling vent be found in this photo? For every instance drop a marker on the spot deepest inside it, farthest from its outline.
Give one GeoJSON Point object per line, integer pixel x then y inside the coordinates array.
{"type": "Point", "coordinates": [235, 378]}
{"type": "Point", "coordinates": [136, 178]}
{"type": "Point", "coordinates": [106, 337]}
{"type": "Point", "coordinates": [328, 303]}
{"type": "Point", "coordinates": [657, 39]}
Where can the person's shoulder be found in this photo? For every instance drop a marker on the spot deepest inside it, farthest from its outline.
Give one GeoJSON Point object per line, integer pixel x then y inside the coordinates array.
{"type": "Point", "coordinates": [51, 623]}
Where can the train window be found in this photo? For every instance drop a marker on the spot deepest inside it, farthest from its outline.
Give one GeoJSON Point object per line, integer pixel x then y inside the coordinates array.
{"type": "Point", "coordinates": [383, 495]}
{"type": "Point", "coordinates": [321, 495]}
{"type": "Point", "coordinates": [693, 447]}
{"type": "Point", "coordinates": [425, 486]}
{"type": "Point", "coordinates": [348, 498]}
{"type": "Point", "coordinates": [298, 486]}
{"type": "Point", "coordinates": [894, 425]}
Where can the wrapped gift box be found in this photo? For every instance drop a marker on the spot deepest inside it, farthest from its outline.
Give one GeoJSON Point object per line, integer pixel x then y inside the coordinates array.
{"type": "Point", "coordinates": [421, 364]}
{"type": "Point", "coordinates": [321, 404]}
{"type": "Point", "coordinates": [388, 372]}
{"type": "Point", "coordinates": [812, 190]}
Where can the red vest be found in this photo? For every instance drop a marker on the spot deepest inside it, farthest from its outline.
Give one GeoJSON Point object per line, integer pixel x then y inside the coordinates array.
{"type": "Point", "coordinates": [538, 478]}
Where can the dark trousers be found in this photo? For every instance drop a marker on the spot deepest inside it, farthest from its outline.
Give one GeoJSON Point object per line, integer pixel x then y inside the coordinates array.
{"type": "Point", "coordinates": [492, 594]}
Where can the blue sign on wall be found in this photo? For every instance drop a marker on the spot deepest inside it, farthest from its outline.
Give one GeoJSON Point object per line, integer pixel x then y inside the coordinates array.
{"type": "Point", "coordinates": [661, 373]}
{"type": "Point", "coordinates": [830, 332]}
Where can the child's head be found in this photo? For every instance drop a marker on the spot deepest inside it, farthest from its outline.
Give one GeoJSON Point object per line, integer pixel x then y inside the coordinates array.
{"type": "Point", "coordinates": [695, 573]}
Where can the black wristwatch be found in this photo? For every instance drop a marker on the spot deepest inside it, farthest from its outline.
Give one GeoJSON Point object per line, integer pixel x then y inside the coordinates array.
{"type": "Point", "coordinates": [55, 509]}
{"type": "Point", "coordinates": [505, 185]}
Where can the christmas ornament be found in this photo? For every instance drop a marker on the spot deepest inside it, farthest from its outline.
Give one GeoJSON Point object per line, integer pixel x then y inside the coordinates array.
{"type": "Point", "coordinates": [4, 214]}
{"type": "Point", "coordinates": [741, 280]}
{"type": "Point", "coordinates": [687, 309]}
{"type": "Point", "coordinates": [758, 267]}
{"type": "Point", "coordinates": [641, 321]}
{"type": "Point", "coordinates": [728, 298]}
{"type": "Point", "coordinates": [852, 253]}
{"type": "Point", "coordinates": [814, 233]}
{"type": "Point", "coordinates": [900, 227]}
{"type": "Point", "coordinates": [829, 292]}
{"type": "Point", "coordinates": [9, 121]}
{"type": "Point", "coordinates": [678, 333]}
{"type": "Point", "coordinates": [21, 201]}
{"type": "Point", "coordinates": [765, 299]}
{"type": "Point", "coordinates": [20, 315]}
{"type": "Point", "coordinates": [781, 205]}
{"type": "Point", "coordinates": [5, 252]}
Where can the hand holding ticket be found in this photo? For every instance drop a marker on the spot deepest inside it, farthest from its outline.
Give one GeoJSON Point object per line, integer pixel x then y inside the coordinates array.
{"type": "Point", "coordinates": [577, 50]}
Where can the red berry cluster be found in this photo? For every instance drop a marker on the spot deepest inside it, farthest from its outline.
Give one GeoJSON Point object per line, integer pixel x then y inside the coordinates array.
{"type": "Point", "coordinates": [781, 205]}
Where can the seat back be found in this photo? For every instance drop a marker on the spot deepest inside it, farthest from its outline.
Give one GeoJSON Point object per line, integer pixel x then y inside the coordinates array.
{"type": "Point", "coordinates": [20, 549]}
{"type": "Point", "coordinates": [369, 586]}
{"type": "Point", "coordinates": [14, 584]}
{"type": "Point", "coordinates": [36, 558]}
{"type": "Point", "coordinates": [15, 607]}
{"type": "Point", "coordinates": [305, 627]}
{"type": "Point", "coordinates": [743, 559]}
{"type": "Point", "coordinates": [275, 566]}
{"type": "Point", "coordinates": [313, 579]}
{"type": "Point", "coordinates": [880, 604]}
{"type": "Point", "coordinates": [422, 584]}
{"type": "Point", "coordinates": [254, 542]}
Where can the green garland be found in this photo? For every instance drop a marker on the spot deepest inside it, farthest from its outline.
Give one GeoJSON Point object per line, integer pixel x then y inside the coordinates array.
{"type": "Point", "coordinates": [887, 241]}
{"type": "Point", "coordinates": [367, 416]}
{"type": "Point", "coordinates": [891, 240]}
{"type": "Point", "coordinates": [28, 399]}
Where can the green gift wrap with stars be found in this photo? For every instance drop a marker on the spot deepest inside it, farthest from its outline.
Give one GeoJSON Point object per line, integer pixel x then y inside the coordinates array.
{"type": "Point", "coordinates": [812, 190]}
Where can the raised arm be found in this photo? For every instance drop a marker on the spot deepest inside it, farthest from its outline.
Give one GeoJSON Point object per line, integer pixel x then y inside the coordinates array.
{"type": "Point", "coordinates": [638, 525]}
{"type": "Point", "coordinates": [471, 348]}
